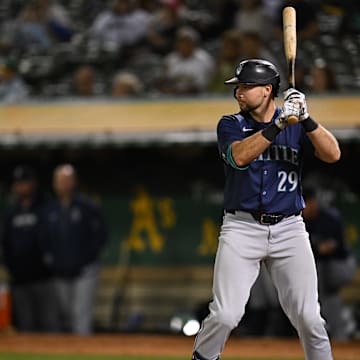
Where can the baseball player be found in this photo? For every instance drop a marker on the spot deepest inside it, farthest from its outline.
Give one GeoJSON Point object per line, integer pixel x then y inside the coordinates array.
{"type": "Point", "coordinates": [262, 220]}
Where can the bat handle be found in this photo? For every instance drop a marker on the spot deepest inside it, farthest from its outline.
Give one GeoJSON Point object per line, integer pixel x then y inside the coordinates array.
{"type": "Point", "coordinates": [292, 119]}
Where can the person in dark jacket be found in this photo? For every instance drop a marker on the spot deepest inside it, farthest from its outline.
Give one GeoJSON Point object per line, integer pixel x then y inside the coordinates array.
{"type": "Point", "coordinates": [23, 257]}
{"type": "Point", "coordinates": [75, 236]}
{"type": "Point", "coordinates": [335, 261]}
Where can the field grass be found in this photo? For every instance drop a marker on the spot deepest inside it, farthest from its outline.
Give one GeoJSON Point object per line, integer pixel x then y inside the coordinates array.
{"type": "Point", "coordinates": [12, 356]}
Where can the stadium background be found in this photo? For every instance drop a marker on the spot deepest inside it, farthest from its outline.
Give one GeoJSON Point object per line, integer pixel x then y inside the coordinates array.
{"type": "Point", "coordinates": [153, 165]}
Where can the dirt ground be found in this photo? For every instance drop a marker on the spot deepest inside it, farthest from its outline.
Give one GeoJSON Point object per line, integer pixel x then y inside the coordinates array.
{"type": "Point", "coordinates": [161, 345]}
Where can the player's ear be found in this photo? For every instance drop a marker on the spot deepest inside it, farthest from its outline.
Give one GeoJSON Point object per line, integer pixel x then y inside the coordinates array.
{"type": "Point", "coordinates": [234, 93]}
{"type": "Point", "coordinates": [267, 90]}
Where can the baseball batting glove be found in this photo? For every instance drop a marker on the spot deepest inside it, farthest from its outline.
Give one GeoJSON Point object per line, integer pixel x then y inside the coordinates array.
{"type": "Point", "coordinates": [297, 97]}
{"type": "Point", "coordinates": [292, 107]}
{"type": "Point", "coordinates": [281, 122]}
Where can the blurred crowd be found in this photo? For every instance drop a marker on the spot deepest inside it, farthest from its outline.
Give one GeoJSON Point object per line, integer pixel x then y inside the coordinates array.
{"type": "Point", "coordinates": [148, 48]}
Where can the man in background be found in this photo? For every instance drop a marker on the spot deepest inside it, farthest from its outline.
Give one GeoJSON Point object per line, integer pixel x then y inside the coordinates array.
{"type": "Point", "coordinates": [336, 265]}
{"type": "Point", "coordinates": [188, 68]}
{"type": "Point", "coordinates": [75, 234]}
{"type": "Point", "coordinates": [30, 286]}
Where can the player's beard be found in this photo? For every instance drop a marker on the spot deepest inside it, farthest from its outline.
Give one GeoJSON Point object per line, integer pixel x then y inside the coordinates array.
{"type": "Point", "coordinates": [245, 107]}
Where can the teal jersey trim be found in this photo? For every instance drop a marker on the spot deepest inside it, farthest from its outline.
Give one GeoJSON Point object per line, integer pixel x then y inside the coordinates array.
{"type": "Point", "coordinates": [231, 161]}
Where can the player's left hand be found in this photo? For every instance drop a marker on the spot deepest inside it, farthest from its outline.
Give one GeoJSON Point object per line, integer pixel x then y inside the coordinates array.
{"type": "Point", "coordinates": [297, 96]}
{"type": "Point", "coordinates": [282, 120]}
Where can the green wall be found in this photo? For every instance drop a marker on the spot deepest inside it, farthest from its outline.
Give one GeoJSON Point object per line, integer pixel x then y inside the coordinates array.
{"type": "Point", "coordinates": [172, 230]}
{"type": "Point", "coordinates": [161, 230]}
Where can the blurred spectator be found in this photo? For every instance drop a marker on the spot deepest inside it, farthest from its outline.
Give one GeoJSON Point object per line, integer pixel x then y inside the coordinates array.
{"type": "Point", "coordinates": [126, 84]}
{"type": "Point", "coordinates": [31, 295]}
{"type": "Point", "coordinates": [336, 264]}
{"type": "Point", "coordinates": [13, 88]}
{"type": "Point", "coordinates": [75, 236]}
{"type": "Point", "coordinates": [330, 16]}
{"type": "Point", "coordinates": [200, 15]}
{"type": "Point", "coordinates": [252, 17]}
{"type": "Point", "coordinates": [86, 82]}
{"type": "Point", "coordinates": [120, 26]}
{"type": "Point", "coordinates": [56, 18]}
{"type": "Point", "coordinates": [228, 58]}
{"type": "Point", "coordinates": [8, 43]}
{"type": "Point", "coordinates": [338, 17]}
{"type": "Point", "coordinates": [163, 27]}
{"type": "Point", "coordinates": [36, 28]}
{"type": "Point", "coordinates": [306, 19]}
{"type": "Point", "coordinates": [271, 7]}
{"type": "Point", "coordinates": [32, 34]}
{"type": "Point", "coordinates": [321, 78]}
{"type": "Point", "coordinates": [226, 14]}
{"type": "Point", "coordinates": [188, 69]}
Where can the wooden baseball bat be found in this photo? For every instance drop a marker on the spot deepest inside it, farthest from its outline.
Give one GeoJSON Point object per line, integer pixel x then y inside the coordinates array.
{"type": "Point", "coordinates": [289, 33]}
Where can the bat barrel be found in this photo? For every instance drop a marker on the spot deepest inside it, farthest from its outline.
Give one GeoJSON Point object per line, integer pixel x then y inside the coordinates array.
{"type": "Point", "coordinates": [289, 38]}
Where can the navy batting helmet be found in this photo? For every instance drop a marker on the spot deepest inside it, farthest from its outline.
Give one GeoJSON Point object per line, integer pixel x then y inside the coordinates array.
{"type": "Point", "coordinates": [256, 72]}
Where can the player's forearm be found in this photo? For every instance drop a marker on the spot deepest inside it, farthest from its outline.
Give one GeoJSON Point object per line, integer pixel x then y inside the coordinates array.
{"type": "Point", "coordinates": [326, 146]}
{"type": "Point", "coordinates": [248, 149]}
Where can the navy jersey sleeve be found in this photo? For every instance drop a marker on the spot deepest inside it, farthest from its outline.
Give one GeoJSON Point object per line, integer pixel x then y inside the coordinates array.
{"type": "Point", "coordinates": [228, 131]}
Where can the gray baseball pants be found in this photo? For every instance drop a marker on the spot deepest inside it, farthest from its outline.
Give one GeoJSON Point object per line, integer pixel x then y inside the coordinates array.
{"type": "Point", "coordinates": [286, 251]}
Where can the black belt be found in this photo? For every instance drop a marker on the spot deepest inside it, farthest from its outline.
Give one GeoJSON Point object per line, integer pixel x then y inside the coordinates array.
{"type": "Point", "coordinates": [264, 218]}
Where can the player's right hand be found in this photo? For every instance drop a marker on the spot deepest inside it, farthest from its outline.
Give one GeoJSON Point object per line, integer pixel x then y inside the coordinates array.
{"type": "Point", "coordinates": [297, 97]}
{"type": "Point", "coordinates": [292, 107]}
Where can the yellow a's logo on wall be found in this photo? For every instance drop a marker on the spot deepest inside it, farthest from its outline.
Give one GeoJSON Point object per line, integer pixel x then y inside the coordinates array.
{"type": "Point", "coordinates": [150, 217]}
